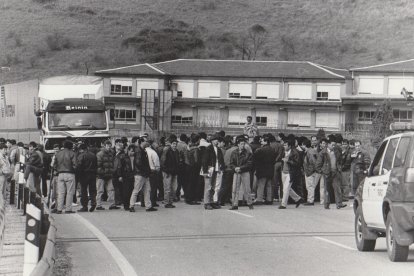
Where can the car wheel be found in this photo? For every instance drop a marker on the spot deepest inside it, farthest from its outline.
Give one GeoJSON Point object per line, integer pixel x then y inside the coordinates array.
{"type": "Point", "coordinates": [360, 226]}
{"type": "Point", "coordinates": [396, 252]}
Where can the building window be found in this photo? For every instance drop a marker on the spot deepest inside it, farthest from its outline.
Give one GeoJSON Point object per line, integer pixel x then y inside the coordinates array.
{"type": "Point", "coordinates": [118, 89]}
{"type": "Point", "coordinates": [238, 96]}
{"type": "Point", "coordinates": [123, 115]}
{"type": "Point", "coordinates": [365, 116]}
{"type": "Point", "coordinates": [179, 94]}
{"type": "Point", "coordinates": [176, 119]}
{"type": "Point", "coordinates": [322, 96]}
{"type": "Point", "coordinates": [402, 115]}
{"type": "Point", "coordinates": [261, 121]}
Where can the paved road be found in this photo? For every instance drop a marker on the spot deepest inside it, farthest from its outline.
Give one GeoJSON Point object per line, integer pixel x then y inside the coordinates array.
{"type": "Point", "coordinates": [191, 241]}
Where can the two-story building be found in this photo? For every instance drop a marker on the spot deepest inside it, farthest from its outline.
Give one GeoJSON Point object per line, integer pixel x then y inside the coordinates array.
{"type": "Point", "coordinates": [291, 95]}
{"type": "Point", "coordinates": [372, 85]}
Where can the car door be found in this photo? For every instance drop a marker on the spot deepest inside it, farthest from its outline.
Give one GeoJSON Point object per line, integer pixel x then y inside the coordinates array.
{"type": "Point", "coordinates": [370, 185]}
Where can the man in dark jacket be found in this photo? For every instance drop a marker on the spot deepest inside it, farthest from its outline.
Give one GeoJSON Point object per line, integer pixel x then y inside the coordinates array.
{"type": "Point", "coordinates": [46, 168]}
{"type": "Point", "coordinates": [291, 172]}
{"type": "Point", "coordinates": [309, 167]}
{"type": "Point", "coordinates": [127, 174]}
{"type": "Point", "coordinates": [346, 170]}
{"type": "Point", "coordinates": [263, 162]}
{"type": "Point", "coordinates": [329, 165]}
{"type": "Point", "coordinates": [65, 165]}
{"type": "Point", "coordinates": [33, 169]}
{"type": "Point", "coordinates": [105, 170]}
{"type": "Point", "coordinates": [170, 163]}
{"type": "Point", "coordinates": [87, 164]}
{"type": "Point", "coordinates": [117, 176]}
{"type": "Point", "coordinates": [193, 170]}
{"type": "Point", "coordinates": [142, 173]}
{"type": "Point", "coordinates": [277, 185]}
{"type": "Point", "coordinates": [212, 165]}
{"type": "Point", "coordinates": [241, 164]}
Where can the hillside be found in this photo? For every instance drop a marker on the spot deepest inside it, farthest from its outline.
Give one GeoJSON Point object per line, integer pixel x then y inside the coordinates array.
{"type": "Point", "coordinates": [41, 38]}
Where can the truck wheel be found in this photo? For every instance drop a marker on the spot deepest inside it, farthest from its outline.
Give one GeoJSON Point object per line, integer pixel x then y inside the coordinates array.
{"type": "Point", "coordinates": [396, 252]}
{"type": "Point", "coordinates": [360, 226]}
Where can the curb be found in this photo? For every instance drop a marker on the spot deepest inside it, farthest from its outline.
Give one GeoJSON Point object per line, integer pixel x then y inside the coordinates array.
{"type": "Point", "coordinates": [47, 262]}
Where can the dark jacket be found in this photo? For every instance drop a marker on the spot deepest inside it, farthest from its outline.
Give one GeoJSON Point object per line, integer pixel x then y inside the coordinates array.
{"type": "Point", "coordinates": [118, 163]}
{"type": "Point", "coordinates": [87, 163]}
{"type": "Point", "coordinates": [242, 159]}
{"type": "Point", "coordinates": [263, 161]}
{"type": "Point", "coordinates": [142, 166]}
{"type": "Point", "coordinates": [46, 162]}
{"type": "Point", "coordinates": [294, 162]}
{"type": "Point", "coordinates": [65, 161]}
{"type": "Point", "coordinates": [361, 161]}
{"type": "Point", "coordinates": [209, 159]}
{"type": "Point", "coordinates": [346, 160]}
{"type": "Point", "coordinates": [193, 157]}
{"type": "Point", "coordinates": [170, 161]}
{"type": "Point", "coordinates": [309, 162]}
{"type": "Point", "coordinates": [105, 166]}
{"type": "Point", "coordinates": [128, 169]}
{"type": "Point", "coordinates": [323, 163]}
{"type": "Point", "coordinates": [279, 151]}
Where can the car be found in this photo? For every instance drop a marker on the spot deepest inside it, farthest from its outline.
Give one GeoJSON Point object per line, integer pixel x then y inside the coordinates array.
{"type": "Point", "coordinates": [384, 202]}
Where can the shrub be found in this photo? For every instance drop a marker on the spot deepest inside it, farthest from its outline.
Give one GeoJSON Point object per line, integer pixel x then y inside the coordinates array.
{"type": "Point", "coordinates": [57, 42]}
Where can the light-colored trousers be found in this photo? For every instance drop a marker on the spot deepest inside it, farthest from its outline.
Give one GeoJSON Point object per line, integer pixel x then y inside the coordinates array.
{"type": "Point", "coordinates": [287, 190]}
{"type": "Point", "coordinates": [66, 185]}
{"type": "Point", "coordinates": [263, 184]}
{"type": "Point", "coordinates": [244, 180]}
{"type": "Point", "coordinates": [101, 184]}
{"type": "Point", "coordinates": [210, 186]}
{"type": "Point", "coordinates": [141, 183]}
{"type": "Point", "coordinates": [219, 178]}
{"type": "Point", "coordinates": [170, 187]}
{"type": "Point", "coordinates": [311, 183]}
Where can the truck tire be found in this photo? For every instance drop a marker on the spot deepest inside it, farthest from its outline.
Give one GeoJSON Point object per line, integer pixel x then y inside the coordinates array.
{"type": "Point", "coordinates": [361, 242]}
{"type": "Point", "coordinates": [396, 252]}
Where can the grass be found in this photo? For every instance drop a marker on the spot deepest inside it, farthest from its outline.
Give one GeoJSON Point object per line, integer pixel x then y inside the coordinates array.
{"type": "Point", "coordinates": [341, 33]}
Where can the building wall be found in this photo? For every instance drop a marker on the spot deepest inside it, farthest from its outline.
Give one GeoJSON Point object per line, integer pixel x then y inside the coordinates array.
{"type": "Point", "coordinates": [207, 109]}
{"type": "Point", "coordinates": [20, 101]}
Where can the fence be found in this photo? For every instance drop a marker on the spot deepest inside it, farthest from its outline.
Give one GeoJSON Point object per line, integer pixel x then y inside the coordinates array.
{"type": "Point", "coordinates": [2, 222]}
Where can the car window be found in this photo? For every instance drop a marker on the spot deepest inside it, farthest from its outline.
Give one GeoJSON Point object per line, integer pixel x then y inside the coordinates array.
{"type": "Point", "coordinates": [389, 155]}
{"type": "Point", "coordinates": [401, 154]}
{"type": "Point", "coordinates": [376, 163]}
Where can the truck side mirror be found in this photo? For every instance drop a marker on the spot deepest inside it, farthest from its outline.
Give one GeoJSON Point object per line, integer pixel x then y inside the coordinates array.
{"type": "Point", "coordinates": [39, 123]}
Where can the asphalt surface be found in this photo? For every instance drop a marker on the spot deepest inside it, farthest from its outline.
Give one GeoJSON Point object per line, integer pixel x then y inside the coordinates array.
{"type": "Point", "coordinates": [189, 240]}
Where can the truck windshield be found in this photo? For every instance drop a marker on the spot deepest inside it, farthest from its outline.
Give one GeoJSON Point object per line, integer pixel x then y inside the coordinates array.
{"type": "Point", "coordinates": [77, 121]}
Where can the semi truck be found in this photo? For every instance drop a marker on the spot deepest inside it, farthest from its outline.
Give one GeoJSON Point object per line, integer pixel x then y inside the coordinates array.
{"type": "Point", "coordinates": [69, 106]}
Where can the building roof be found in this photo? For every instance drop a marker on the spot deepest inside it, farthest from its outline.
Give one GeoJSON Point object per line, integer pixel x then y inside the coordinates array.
{"type": "Point", "coordinates": [404, 66]}
{"type": "Point", "coordinates": [233, 69]}
{"type": "Point", "coordinates": [139, 69]}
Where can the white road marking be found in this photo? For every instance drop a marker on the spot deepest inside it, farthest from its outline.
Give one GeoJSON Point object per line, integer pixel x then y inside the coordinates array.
{"type": "Point", "coordinates": [335, 243]}
{"type": "Point", "coordinates": [120, 260]}
{"type": "Point", "coordinates": [235, 212]}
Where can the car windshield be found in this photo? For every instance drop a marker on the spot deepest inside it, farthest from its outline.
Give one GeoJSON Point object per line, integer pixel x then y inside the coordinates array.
{"type": "Point", "coordinates": [77, 121]}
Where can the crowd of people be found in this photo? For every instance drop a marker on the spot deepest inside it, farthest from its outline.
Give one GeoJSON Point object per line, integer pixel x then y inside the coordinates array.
{"type": "Point", "coordinates": [212, 170]}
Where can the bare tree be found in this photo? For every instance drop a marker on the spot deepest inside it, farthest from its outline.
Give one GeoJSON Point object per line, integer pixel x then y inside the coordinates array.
{"type": "Point", "coordinates": [251, 43]}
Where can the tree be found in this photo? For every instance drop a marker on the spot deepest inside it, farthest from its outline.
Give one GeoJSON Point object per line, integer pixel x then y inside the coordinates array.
{"type": "Point", "coordinates": [381, 122]}
{"type": "Point", "coordinates": [252, 42]}
{"type": "Point", "coordinates": [172, 42]}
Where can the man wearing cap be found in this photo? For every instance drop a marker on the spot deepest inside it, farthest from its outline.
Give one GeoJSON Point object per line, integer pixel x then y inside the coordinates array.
{"type": "Point", "coordinates": [212, 166]}
{"type": "Point", "coordinates": [65, 164]}
{"type": "Point", "coordinates": [105, 171]}
{"type": "Point", "coordinates": [170, 161]}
